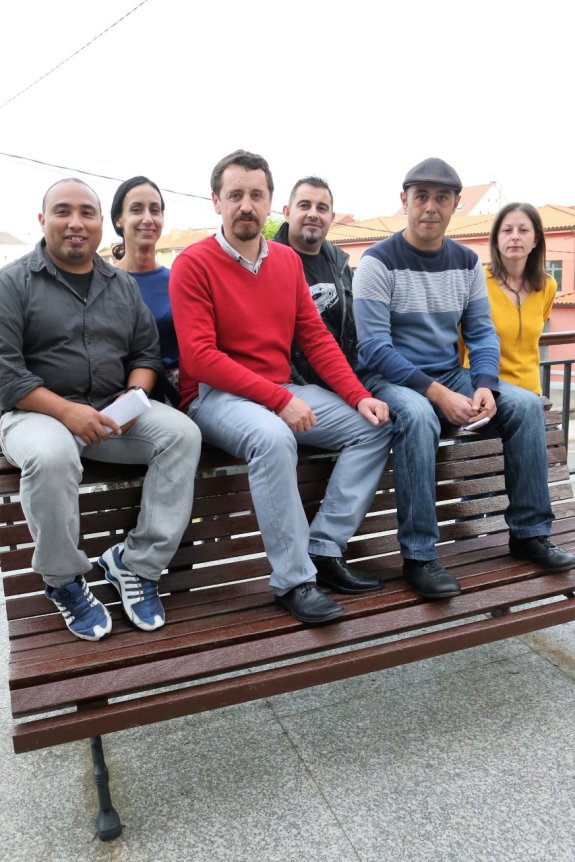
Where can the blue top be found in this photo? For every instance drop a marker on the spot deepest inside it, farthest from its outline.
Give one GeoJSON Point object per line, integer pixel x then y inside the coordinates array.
{"type": "Point", "coordinates": [154, 289]}
{"type": "Point", "coordinates": [409, 306]}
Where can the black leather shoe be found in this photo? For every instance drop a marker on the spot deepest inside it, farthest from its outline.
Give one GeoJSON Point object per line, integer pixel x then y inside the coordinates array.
{"type": "Point", "coordinates": [334, 572]}
{"type": "Point", "coordinates": [540, 549]}
{"type": "Point", "coordinates": [309, 605]}
{"type": "Point", "coordinates": [430, 579]}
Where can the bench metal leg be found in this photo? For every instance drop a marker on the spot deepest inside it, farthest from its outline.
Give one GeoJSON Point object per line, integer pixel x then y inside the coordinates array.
{"type": "Point", "coordinates": [108, 823]}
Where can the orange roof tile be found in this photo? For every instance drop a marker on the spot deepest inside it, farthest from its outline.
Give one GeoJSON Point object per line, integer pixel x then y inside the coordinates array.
{"type": "Point", "coordinates": [180, 239]}
{"type": "Point", "coordinates": [564, 299]}
{"type": "Point", "coordinates": [470, 197]}
{"type": "Point", "coordinates": [554, 217]}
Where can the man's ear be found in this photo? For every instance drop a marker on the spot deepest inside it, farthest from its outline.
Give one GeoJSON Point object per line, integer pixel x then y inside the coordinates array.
{"type": "Point", "coordinates": [216, 203]}
{"type": "Point", "coordinates": [286, 212]}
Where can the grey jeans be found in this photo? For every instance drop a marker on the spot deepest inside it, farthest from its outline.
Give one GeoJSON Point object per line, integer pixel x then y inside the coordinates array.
{"type": "Point", "coordinates": [252, 432]}
{"type": "Point", "coordinates": [48, 456]}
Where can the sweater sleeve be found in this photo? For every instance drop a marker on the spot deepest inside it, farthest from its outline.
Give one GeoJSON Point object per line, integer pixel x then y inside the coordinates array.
{"type": "Point", "coordinates": [195, 323]}
{"type": "Point", "coordinates": [550, 291]}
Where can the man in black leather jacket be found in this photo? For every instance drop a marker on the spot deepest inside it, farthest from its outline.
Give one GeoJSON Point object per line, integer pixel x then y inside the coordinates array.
{"type": "Point", "coordinates": [308, 218]}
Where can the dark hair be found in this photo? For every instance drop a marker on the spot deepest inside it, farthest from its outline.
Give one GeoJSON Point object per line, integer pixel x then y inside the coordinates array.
{"type": "Point", "coordinates": [69, 180]}
{"type": "Point", "coordinates": [250, 161]}
{"type": "Point", "coordinates": [316, 182]}
{"type": "Point", "coordinates": [535, 275]}
{"type": "Point", "coordinates": [119, 250]}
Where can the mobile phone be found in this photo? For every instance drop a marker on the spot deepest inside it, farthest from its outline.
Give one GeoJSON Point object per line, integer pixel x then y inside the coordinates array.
{"type": "Point", "coordinates": [473, 425]}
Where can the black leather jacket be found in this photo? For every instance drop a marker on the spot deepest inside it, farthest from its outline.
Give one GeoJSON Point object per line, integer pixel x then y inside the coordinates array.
{"type": "Point", "coordinates": [338, 318]}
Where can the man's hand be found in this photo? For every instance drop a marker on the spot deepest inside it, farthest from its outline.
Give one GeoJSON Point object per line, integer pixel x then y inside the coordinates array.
{"type": "Point", "coordinates": [374, 410]}
{"type": "Point", "coordinates": [297, 415]}
{"type": "Point", "coordinates": [86, 423]}
{"type": "Point", "coordinates": [127, 425]}
{"type": "Point", "coordinates": [484, 403]}
{"type": "Point", "coordinates": [458, 409]}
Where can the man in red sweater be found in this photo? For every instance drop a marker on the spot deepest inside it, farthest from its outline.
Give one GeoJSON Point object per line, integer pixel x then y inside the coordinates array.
{"type": "Point", "coordinates": [238, 303]}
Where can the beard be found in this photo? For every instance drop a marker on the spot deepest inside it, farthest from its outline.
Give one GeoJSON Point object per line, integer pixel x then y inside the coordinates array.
{"type": "Point", "coordinates": [246, 229]}
{"type": "Point", "coordinates": [76, 254]}
{"type": "Point", "coordinates": [312, 239]}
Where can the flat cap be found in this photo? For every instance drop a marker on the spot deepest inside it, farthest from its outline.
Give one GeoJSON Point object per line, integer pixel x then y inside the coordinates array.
{"type": "Point", "coordinates": [433, 171]}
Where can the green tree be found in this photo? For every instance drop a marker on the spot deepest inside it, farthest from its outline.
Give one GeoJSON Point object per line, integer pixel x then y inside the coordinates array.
{"type": "Point", "coordinates": [271, 227]}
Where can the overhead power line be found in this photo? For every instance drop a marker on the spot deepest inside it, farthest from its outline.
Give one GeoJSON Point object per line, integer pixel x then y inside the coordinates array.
{"type": "Point", "coordinates": [103, 176]}
{"type": "Point", "coordinates": [71, 56]}
{"type": "Point", "coordinates": [68, 169]}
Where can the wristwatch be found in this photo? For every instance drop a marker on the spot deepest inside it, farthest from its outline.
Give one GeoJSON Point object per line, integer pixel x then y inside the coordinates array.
{"type": "Point", "coordinates": [135, 386]}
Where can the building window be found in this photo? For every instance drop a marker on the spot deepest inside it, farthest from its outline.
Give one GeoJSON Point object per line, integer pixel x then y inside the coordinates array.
{"type": "Point", "coordinates": [554, 268]}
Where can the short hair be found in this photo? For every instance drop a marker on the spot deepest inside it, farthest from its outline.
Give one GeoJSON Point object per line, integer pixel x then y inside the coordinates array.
{"type": "Point", "coordinates": [69, 180]}
{"type": "Point", "coordinates": [249, 161]}
{"type": "Point", "coordinates": [535, 274]}
{"type": "Point", "coordinates": [316, 182]}
{"type": "Point", "coordinates": [119, 249]}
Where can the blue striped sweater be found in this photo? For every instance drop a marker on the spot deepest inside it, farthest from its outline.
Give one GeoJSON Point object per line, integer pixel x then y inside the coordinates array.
{"type": "Point", "coordinates": [408, 306]}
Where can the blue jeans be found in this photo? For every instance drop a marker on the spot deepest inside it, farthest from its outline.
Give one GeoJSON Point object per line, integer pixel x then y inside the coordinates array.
{"type": "Point", "coordinates": [519, 422]}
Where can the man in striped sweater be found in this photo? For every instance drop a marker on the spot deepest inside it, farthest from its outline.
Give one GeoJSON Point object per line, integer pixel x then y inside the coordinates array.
{"type": "Point", "coordinates": [413, 293]}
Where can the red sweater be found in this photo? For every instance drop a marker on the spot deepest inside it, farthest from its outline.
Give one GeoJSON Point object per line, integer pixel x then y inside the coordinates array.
{"type": "Point", "coordinates": [235, 328]}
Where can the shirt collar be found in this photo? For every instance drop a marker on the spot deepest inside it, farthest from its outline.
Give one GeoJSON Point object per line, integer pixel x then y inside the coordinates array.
{"type": "Point", "coordinates": [247, 264]}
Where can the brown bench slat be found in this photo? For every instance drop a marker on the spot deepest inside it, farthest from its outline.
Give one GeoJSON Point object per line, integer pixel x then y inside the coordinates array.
{"type": "Point", "coordinates": [178, 605]}
{"type": "Point", "coordinates": [173, 704]}
{"type": "Point", "coordinates": [49, 658]}
{"type": "Point", "coordinates": [476, 569]}
{"type": "Point", "coordinates": [251, 650]}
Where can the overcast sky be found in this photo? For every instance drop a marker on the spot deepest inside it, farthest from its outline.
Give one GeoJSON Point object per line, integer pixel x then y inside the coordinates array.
{"type": "Point", "coordinates": [354, 92]}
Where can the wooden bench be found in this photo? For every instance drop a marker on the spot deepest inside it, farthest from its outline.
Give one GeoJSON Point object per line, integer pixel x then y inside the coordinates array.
{"type": "Point", "coordinates": [225, 640]}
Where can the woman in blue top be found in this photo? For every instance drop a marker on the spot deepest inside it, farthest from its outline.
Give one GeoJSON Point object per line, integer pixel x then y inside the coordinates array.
{"type": "Point", "coordinates": [138, 218]}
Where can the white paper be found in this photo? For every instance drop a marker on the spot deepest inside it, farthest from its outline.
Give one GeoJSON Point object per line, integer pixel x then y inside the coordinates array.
{"type": "Point", "coordinates": [127, 407]}
{"type": "Point", "coordinates": [124, 409]}
{"type": "Point", "coordinates": [473, 425]}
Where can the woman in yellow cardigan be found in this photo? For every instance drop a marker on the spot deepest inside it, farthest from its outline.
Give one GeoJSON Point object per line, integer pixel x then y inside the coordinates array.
{"type": "Point", "coordinates": [520, 292]}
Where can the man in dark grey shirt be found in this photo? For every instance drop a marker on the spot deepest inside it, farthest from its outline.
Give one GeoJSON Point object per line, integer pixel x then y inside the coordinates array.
{"type": "Point", "coordinates": [75, 336]}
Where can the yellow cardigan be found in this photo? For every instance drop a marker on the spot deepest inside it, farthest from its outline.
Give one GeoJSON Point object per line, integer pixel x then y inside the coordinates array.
{"type": "Point", "coordinates": [519, 359]}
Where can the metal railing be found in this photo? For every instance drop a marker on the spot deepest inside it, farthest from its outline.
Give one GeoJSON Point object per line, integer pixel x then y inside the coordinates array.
{"type": "Point", "coordinates": [548, 339]}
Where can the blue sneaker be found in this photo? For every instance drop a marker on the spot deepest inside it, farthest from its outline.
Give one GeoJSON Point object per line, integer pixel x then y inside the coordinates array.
{"type": "Point", "coordinates": [85, 616]}
{"type": "Point", "coordinates": [139, 595]}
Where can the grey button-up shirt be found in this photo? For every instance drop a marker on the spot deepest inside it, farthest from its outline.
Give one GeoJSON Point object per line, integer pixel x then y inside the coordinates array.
{"type": "Point", "coordinates": [81, 349]}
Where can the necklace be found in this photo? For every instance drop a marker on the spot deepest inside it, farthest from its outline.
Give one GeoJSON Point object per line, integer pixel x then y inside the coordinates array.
{"type": "Point", "coordinates": [517, 294]}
